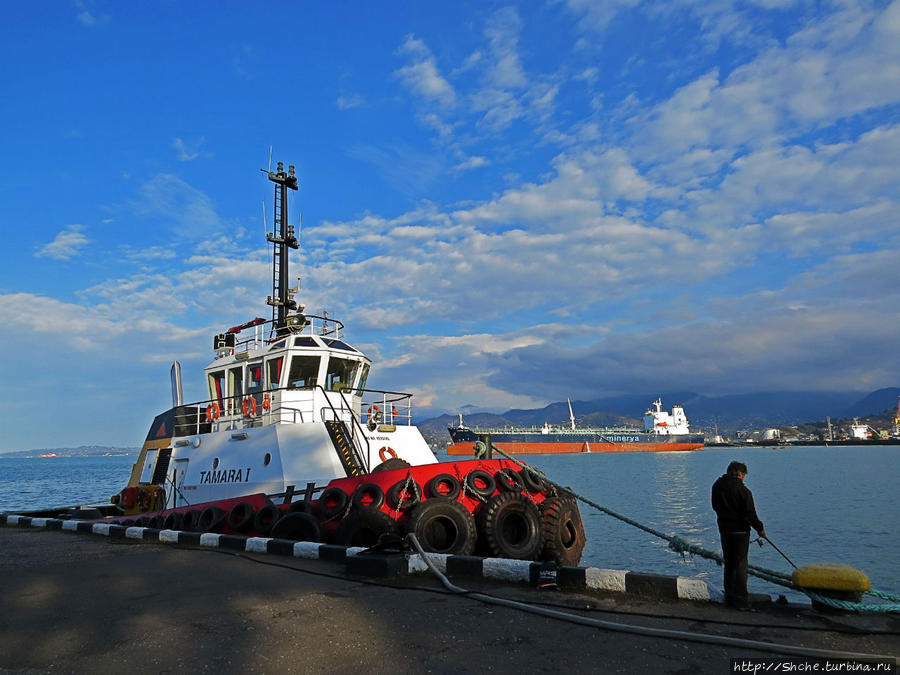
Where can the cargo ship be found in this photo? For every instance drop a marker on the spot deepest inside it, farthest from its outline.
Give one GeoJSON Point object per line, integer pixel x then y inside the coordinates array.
{"type": "Point", "coordinates": [662, 432]}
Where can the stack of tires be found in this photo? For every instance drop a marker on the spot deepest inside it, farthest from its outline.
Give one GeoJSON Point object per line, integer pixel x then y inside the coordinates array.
{"type": "Point", "coordinates": [488, 508]}
{"type": "Point", "coordinates": [507, 514]}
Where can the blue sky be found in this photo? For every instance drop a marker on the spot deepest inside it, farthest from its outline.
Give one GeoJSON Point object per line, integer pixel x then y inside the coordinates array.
{"type": "Point", "coordinates": [506, 203]}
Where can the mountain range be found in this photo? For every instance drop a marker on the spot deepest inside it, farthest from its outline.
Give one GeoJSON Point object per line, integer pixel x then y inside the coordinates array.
{"type": "Point", "coordinates": [730, 413]}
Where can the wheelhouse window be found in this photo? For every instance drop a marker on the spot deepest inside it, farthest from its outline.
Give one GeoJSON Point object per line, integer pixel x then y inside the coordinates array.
{"type": "Point", "coordinates": [337, 344]}
{"type": "Point", "coordinates": [273, 372]}
{"type": "Point", "coordinates": [217, 387]}
{"type": "Point", "coordinates": [341, 373]}
{"type": "Point", "coordinates": [235, 387]}
{"type": "Point", "coordinates": [362, 379]}
{"type": "Point", "coordinates": [304, 372]}
{"type": "Point", "coordinates": [254, 377]}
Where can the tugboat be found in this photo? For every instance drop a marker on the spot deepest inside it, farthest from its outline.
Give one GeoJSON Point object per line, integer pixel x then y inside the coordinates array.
{"type": "Point", "coordinates": [291, 444]}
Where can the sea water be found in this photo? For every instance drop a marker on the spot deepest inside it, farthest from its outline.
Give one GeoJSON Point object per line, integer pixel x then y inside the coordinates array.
{"type": "Point", "coordinates": [50, 482]}
{"type": "Point", "coordinates": [818, 504]}
{"type": "Point", "coordinates": [834, 504]}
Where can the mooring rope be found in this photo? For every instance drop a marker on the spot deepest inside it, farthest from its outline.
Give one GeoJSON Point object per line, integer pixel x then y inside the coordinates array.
{"type": "Point", "coordinates": [683, 546]}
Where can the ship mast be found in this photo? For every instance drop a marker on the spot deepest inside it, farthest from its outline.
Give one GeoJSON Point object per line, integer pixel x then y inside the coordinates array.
{"type": "Point", "coordinates": [282, 240]}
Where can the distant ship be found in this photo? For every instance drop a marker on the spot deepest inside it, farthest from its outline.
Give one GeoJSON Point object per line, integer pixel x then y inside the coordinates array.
{"type": "Point", "coordinates": [662, 432]}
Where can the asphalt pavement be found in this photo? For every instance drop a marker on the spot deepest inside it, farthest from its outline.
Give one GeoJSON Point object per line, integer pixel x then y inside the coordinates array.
{"type": "Point", "coordinates": [75, 603]}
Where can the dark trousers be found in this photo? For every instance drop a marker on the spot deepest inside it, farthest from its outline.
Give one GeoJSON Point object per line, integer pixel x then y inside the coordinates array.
{"type": "Point", "coordinates": [735, 547]}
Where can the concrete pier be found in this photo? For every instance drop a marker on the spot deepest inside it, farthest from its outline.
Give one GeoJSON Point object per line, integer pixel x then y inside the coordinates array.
{"type": "Point", "coordinates": [90, 604]}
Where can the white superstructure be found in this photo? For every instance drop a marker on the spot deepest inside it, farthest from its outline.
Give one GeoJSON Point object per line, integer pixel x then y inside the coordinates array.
{"type": "Point", "coordinates": [659, 421]}
{"type": "Point", "coordinates": [288, 404]}
{"type": "Point", "coordinates": [859, 431]}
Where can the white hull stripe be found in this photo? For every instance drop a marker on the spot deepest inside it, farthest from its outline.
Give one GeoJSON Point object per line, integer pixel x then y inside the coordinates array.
{"type": "Point", "coordinates": [651, 586]}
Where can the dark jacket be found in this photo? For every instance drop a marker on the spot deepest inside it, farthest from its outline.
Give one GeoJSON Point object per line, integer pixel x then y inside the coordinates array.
{"type": "Point", "coordinates": [733, 503]}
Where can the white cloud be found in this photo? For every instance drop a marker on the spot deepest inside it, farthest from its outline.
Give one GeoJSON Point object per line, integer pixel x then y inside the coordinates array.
{"type": "Point", "coordinates": [86, 17]}
{"type": "Point", "coordinates": [472, 163]}
{"type": "Point", "coordinates": [422, 75]}
{"type": "Point", "coordinates": [596, 16]}
{"type": "Point", "coordinates": [66, 245]}
{"type": "Point", "coordinates": [834, 68]}
{"type": "Point", "coordinates": [189, 150]}
{"type": "Point", "coordinates": [350, 101]}
{"type": "Point", "coordinates": [502, 30]}
{"type": "Point", "coordinates": [189, 212]}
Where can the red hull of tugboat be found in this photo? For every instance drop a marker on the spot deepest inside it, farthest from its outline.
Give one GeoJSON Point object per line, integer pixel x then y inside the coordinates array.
{"type": "Point", "coordinates": [355, 511]}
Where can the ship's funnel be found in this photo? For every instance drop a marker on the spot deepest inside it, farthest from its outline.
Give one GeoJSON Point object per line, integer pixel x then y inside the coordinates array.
{"type": "Point", "coordinates": [177, 399]}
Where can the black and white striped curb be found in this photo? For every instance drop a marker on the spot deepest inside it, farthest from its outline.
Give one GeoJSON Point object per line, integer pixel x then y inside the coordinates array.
{"type": "Point", "coordinates": [650, 586]}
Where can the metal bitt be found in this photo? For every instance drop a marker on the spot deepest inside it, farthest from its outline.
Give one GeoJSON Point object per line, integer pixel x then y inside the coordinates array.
{"type": "Point", "coordinates": [483, 447]}
{"type": "Point", "coordinates": [282, 239]}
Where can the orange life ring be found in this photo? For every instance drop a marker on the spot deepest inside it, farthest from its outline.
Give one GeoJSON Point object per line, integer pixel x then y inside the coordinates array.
{"type": "Point", "coordinates": [266, 404]}
{"type": "Point", "coordinates": [385, 453]}
{"type": "Point", "coordinates": [249, 406]}
{"type": "Point", "coordinates": [213, 411]}
{"type": "Point", "coordinates": [375, 408]}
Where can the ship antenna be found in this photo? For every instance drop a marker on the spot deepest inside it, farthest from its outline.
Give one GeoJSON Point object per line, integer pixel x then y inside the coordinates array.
{"type": "Point", "coordinates": [265, 224]}
{"type": "Point", "coordinates": [282, 240]}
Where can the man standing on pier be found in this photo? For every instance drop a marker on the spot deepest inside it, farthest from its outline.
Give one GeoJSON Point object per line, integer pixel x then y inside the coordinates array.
{"type": "Point", "coordinates": [736, 514]}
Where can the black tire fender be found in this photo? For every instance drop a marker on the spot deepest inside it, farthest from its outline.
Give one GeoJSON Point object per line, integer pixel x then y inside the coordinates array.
{"type": "Point", "coordinates": [297, 526]}
{"type": "Point", "coordinates": [211, 519]}
{"type": "Point", "coordinates": [173, 521]}
{"type": "Point", "coordinates": [241, 517]}
{"type": "Point", "coordinates": [265, 518]}
{"type": "Point", "coordinates": [509, 480]}
{"type": "Point", "coordinates": [443, 485]}
{"type": "Point", "coordinates": [480, 483]}
{"type": "Point", "coordinates": [511, 526]}
{"type": "Point", "coordinates": [301, 506]}
{"type": "Point", "coordinates": [189, 520]}
{"type": "Point", "coordinates": [443, 525]}
{"type": "Point", "coordinates": [391, 464]}
{"type": "Point", "coordinates": [532, 481]}
{"type": "Point", "coordinates": [363, 527]}
{"type": "Point", "coordinates": [562, 531]}
{"type": "Point", "coordinates": [332, 502]}
{"type": "Point", "coordinates": [404, 495]}
{"type": "Point", "coordinates": [368, 494]}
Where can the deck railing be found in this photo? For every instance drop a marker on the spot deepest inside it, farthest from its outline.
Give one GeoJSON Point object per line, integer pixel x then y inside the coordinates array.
{"type": "Point", "coordinates": [277, 406]}
{"type": "Point", "coordinates": [259, 332]}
